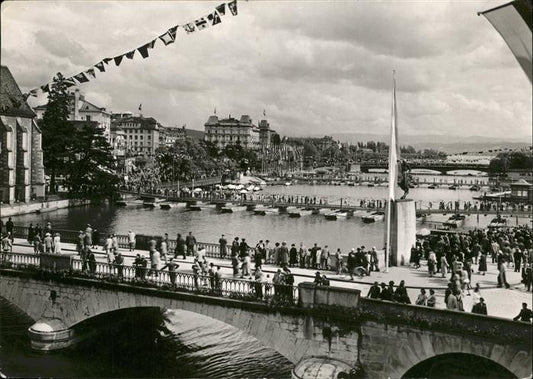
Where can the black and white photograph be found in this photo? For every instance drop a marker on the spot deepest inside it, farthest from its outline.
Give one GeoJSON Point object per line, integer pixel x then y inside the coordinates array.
{"type": "Point", "coordinates": [294, 189]}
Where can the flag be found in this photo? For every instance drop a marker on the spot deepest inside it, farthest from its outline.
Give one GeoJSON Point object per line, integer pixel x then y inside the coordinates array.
{"type": "Point", "coordinates": [69, 82]}
{"type": "Point", "coordinates": [215, 112]}
{"type": "Point", "coordinates": [33, 92]}
{"type": "Point", "coordinates": [166, 38]}
{"type": "Point", "coordinates": [201, 23]}
{"type": "Point", "coordinates": [394, 153]}
{"type": "Point", "coordinates": [170, 36]}
{"type": "Point", "coordinates": [189, 28]}
{"type": "Point", "coordinates": [107, 60]}
{"type": "Point", "coordinates": [45, 88]}
{"type": "Point", "coordinates": [221, 9]}
{"type": "Point", "coordinates": [100, 66]}
{"type": "Point", "coordinates": [81, 77]}
{"type": "Point", "coordinates": [91, 72]}
{"type": "Point", "coordinates": [214, 18]}
{"type": "Point", "coordinates": [514, 23]}
{"type": "Point", "coordinates": [233, 7]}
{"type": "Point", "coordinates": [118, 59]}
{"type": "Point", "coordinates": [264, 113]}
{"type": "Point", "coordinates": [140, 107]}
{"type": "Point", "coordinates": [144, 49]}
{"type": "Point", "coordinates": [130, 54]}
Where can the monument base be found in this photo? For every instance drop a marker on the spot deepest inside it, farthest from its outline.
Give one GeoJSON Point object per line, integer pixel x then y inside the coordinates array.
{"type": "Point", "coordinates": [402, 231]}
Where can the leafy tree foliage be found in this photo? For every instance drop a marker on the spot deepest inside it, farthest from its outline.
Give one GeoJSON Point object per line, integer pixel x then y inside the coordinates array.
{"type": "Point", "coordinates": [91, 171]}
{"type": "Point", "coordinates": [56, 129]}
{"type": "Point", "coordinates": [511, 160]}
{"type": "Point", "coordinates": [82, 154]}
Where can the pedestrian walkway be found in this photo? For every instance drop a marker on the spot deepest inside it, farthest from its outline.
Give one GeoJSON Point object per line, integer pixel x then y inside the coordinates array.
{"type": "Point", "coordinates": [500, 302]}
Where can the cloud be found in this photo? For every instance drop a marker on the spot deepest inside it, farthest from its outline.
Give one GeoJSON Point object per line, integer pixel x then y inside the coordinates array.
{"type": "Point", "coordinates": [316, 67]}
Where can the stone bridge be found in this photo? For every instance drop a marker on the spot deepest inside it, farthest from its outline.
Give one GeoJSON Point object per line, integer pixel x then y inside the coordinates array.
{"type": "Point", "coordinates": [385, 339]}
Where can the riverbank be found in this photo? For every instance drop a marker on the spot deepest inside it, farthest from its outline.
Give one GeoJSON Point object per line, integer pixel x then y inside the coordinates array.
{"type": "Point", "coordinates": [9, 210]}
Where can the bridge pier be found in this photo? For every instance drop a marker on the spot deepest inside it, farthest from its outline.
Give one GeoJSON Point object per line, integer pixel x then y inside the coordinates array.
{"type": "Point", "coordinates": [49, 334]}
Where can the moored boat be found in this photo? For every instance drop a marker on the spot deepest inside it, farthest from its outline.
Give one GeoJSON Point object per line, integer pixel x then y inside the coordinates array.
{"type": "Point", "coordinates": [373, 217]}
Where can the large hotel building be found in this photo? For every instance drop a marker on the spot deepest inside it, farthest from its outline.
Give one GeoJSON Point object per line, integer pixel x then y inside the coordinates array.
{"type": "Point", "coordinates": [232, 131]}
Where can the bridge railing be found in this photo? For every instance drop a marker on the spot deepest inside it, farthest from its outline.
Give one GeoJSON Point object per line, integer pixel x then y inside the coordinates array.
{"type": "Point", "coordinates": [257, 291]}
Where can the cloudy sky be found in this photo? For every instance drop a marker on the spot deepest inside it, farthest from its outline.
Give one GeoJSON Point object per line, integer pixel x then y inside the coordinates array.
{"type": "Point", "coordinates": [315, 67]}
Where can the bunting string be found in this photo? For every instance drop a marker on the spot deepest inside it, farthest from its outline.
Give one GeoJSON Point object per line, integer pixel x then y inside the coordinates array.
{"type": "Point", "coordinates": [167, 38]}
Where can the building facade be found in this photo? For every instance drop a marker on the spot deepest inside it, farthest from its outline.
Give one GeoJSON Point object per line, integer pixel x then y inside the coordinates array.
{"type": "Point", "coordinates": [230, 131]}
{"type": "Point", "coordinates": [21, 156]}
{"type": "Point", "coordinates": [141, 135]}
{"type": "Point", "coordinates": [83, 110]}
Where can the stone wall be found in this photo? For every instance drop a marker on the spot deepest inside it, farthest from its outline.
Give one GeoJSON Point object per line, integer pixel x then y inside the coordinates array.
{"type": "Point", "coordinates": [8, 210]}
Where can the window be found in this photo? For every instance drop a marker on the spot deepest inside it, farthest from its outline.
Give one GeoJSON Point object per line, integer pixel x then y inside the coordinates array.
{"type": "Point", "coordinates": [88, 118]}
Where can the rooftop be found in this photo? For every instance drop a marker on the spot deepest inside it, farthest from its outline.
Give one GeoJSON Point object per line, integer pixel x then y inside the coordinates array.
{"type": "Point", "coordinates": [11, 100]}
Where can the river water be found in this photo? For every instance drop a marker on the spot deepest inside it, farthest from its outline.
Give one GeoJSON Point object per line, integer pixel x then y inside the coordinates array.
{"type": "Point", "coordinates": [175, 343]}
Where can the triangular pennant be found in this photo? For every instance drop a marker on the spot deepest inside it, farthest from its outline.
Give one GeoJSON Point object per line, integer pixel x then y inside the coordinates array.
{"type": "Point", "coordinates": [45, 88]}
{"type": "Point", "coordinates": [100, 66]}
{"type": "Point", "coordinates": [130, 54]}
{"type": "Point", "coordinates": [33, 92]}
{"type": "Point", "coordinates": [233, 7]}
{"type": "Point", "coordinates": [214, 18]}
{"type": "Point", "coordinates": [107, 60]}
{"type": "Point", "coordinates": [81, 77]}
{"type": "Point", "coordinates": [91, 72]}
{"type": "Point", "coordinates": [144, 49]}
{"type": "Point", "coordinates": [201, 23]}
{"type": "Point", "coordinates": [172, 31]}
{"type": "Point", "coordinates": [221, 9]}
{"type": "Point", "coordinates": [167, 38]}
{"type": "Point", "coordinates": [118, 59]}
{"type": "Point", "coordinates": [189, 28]}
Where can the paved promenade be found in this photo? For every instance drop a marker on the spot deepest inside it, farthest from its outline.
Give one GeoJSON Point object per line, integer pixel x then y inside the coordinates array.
{"type": "Point", "coordinates": [500, 302]}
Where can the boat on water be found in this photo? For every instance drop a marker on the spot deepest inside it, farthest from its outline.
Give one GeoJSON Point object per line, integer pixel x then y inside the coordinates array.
{"type": "Point", "coordinates": [475, 187]}
{"type": "Point", "coordinates": [194, 207]}
{"type": "Point", "coordinates": [170, 205]}
{"type": "Point", "coordinates": [370, 184]}
{"type": "Point", "coordinates": [455, 221]}
{"type": "Point", "coordinates": [498, 222]}
{"type": "Point", "coordinates": [263, 210]}
{"type": "Point", "coordinates": [233, 209]}
{"type": "Point", "coordinates": [452, 187]}
{"type": "Point", "coordinates": [374, 217]}
{"type": "Point", "coordinates": [335, 215]}
{"type": "Point", "coordinates": [432, 186]}
{"type": "Point", "coordinates": [300, 212]}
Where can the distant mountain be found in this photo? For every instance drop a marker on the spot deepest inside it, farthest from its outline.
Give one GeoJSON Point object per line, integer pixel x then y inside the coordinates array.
{"type": "Point", "coordinates": [448, 144]}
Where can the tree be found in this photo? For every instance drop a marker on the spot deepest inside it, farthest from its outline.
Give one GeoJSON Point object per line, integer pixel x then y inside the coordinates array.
{"type": "Point", "coordinates": [56, 129]}
{"type": "Point", "coordinates": [91, 163]}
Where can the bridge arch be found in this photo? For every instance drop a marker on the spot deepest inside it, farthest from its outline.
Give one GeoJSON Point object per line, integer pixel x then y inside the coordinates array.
{"type": "Point", "coordinates": [290, 333]}
{"type": "Point", "coordinates": [430, 355]}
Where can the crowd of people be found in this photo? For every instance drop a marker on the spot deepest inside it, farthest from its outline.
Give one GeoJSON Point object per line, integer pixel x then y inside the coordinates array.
{"type": "Point", "coordinates": [455, 256]}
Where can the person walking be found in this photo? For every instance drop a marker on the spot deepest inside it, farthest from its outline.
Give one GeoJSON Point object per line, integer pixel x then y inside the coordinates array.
{"type": "Point", "coordinates": [172, 267]}
{"type": "Point", "coordinates": [502, 277]}
{"type": "Point", "coordinates": [482, 267]}
{"type": "Point", "coordinates": [444, 266]}
{"type": "Point", "coordinates": [352, 264]}
{"type": "Point", "coordinates": [48, 243]}
{"type": "Point", "coordinates": [131, 240]}
{"type": "Point", "coordinates": [57, 244]}
{"type": "Point", "coordinates": [180, 247]}
{"type": "Point", "coordinates": [374, 260]}
{"type": "Point", "coordinates": [432, 263]}
{"type": "Point", "coordinates": [258, 285]}
{"type": "Point", "coordinates": [338, 262]}
{"type": "Point", "coordinates": [190, 242]}
{"type": "Point", "coordinates": [119, 265]}
{"type": "Point", "coordinates": [88, 235]}
{"type": "Point", "coordinates": [223, 245]}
